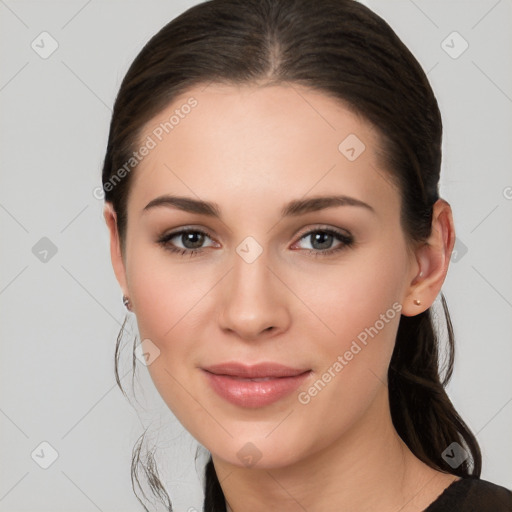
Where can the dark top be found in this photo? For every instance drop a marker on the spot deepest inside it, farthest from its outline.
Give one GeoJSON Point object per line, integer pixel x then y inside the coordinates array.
{"type": "Point", "coordinates": [472, 495]}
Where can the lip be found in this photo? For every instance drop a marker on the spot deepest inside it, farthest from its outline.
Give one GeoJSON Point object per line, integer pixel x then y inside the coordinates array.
{"type": "Point", "coordinates": [235, 382]}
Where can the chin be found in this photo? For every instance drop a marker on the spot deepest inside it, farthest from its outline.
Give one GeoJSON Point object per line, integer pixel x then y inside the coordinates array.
{"type": "Point", "coordinates": [258, 453]}
{"type": "Point", "coordinates": [269, 444]}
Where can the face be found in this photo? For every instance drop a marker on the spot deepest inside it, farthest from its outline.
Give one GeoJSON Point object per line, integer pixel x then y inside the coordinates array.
{"type": "Point", "coordinates": [317, 290]}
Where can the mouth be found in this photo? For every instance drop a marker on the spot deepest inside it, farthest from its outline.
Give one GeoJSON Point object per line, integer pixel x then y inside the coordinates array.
{"type": "Point", "coordinates": [254, 386]}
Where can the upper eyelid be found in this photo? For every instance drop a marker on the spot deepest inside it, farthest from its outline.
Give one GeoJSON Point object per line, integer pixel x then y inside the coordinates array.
{"type": "Point", "coordinates": [340, 231]}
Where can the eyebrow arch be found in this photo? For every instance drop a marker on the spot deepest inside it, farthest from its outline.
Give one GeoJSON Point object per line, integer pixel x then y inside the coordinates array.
{"type": "Point", "coordinates": [291, 209]}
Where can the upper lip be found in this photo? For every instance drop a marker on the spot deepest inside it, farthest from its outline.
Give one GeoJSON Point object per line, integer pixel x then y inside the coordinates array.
{"type": "Point", "coordinates": [255, 371]}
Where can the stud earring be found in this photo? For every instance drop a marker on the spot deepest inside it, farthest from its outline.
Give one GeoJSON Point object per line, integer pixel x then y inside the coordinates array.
{"type": "Point", "coordinates": [417, 302]}
{"type": "Point", "coordinates": [127, 303]}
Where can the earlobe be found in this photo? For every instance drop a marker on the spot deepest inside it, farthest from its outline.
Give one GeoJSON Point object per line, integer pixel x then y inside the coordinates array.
{"type": "Point", "coordinates": [433, 258]}
{"type": "Point", "coordinates": [115, 246]}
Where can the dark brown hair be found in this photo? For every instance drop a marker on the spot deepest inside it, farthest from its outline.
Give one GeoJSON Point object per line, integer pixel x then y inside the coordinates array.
{"type": "Point", "coordinates": [343, 49]}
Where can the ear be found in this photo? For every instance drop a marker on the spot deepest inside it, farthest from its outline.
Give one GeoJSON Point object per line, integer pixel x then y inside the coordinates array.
{"type": "Point", "coordinates": [433, 259]}
{"type": "Point", "coordinates": [115, 247]}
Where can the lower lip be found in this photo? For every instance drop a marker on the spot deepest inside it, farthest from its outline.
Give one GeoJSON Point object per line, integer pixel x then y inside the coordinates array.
{"type": "Point", "coordinates": [248, 393]}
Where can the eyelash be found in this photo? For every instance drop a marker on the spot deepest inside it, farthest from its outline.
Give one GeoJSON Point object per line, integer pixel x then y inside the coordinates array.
{"type": "Point", "coordinates": [347, 242]}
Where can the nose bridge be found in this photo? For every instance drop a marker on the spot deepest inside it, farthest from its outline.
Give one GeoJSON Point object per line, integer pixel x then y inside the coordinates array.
{"type": "Point", "coordinates": [250, 276]}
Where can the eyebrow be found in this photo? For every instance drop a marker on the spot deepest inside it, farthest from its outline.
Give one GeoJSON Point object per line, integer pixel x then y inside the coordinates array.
{"type": "Point", "coordinates": [291, 209]}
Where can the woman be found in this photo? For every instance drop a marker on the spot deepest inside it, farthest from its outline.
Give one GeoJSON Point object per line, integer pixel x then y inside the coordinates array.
{"type": "Point", "coordinates": [271, 187]}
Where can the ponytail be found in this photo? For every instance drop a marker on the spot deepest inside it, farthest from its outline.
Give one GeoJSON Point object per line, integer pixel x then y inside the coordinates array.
{"type": "Point", "coordinates": [421, 411]}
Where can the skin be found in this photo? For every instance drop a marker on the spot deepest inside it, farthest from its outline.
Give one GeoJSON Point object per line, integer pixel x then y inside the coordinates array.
{"type": "Point", "coordinates": [251, 149]}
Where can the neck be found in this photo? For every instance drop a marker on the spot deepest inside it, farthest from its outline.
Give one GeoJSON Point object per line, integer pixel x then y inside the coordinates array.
{"type": "Point", "coordinates": [368, 468]}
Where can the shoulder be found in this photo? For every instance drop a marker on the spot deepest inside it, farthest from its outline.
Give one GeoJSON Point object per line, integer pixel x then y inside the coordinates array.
{"type": "Point", "coordinates": [473, 495]}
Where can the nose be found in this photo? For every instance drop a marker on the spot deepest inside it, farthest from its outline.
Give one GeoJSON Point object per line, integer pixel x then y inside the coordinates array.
{"type": "Point", "coordinates": [254, 300]}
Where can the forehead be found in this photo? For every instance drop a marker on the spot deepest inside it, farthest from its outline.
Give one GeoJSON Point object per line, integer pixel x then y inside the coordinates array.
{"type": "Point", "coordinates": [265, 140]}
{"type": "Point", "coordinates": [258, 119]}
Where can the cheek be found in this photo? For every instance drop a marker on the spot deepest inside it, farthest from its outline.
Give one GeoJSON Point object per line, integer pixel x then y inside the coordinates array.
{"type": "Point", "coordinates": [360, 304]}
{"type": "Point", "coordinates": [169, 299]}
{"type": "Point", "coordinates": [352, 298]}
{"type": "Point", "coordinates": [165, 292]}
{"type": "Point", "coordinates": [167, 302]}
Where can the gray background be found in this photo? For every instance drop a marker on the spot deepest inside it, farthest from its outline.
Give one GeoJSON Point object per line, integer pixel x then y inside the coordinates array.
{"type": "Point", "coordinates": [60, 313]}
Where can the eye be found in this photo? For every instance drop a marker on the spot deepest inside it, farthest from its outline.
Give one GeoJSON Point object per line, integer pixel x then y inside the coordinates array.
{"type": "Point", "coordinates": [321, 241]}
{"type": "Point", "coordinates": [192, 240]}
